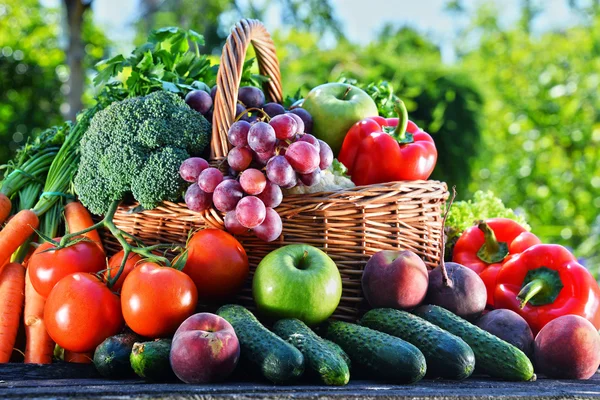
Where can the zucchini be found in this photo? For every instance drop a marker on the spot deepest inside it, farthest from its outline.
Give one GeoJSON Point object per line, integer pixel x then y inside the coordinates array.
{"type": "Point", "coordinates": [378, 354]}
{"type": "Point", "coordinates": [111, 357]}
{"type": "Point", "coordinates": [150, 360]}
{"type": "Point", "coordinates": [447, 356]}
{"type": "Point", "coordinates": [318, 355]}
{"type": "Point", "coordinates": [278, 361]}
{"type": "Point", "coordinates": [493, 356]}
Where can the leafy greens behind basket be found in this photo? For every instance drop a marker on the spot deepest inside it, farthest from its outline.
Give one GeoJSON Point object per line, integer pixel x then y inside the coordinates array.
{"type": "Point", "coordinates": [170, 60]}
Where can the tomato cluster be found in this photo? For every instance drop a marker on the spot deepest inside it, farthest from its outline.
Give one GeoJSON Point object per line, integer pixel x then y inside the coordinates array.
{"type": "Point", "coordinates": [153, 300]}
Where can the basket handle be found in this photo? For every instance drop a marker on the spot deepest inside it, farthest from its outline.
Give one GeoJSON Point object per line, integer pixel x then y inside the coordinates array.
{"type": "Point", "coordinates": [229, 75]}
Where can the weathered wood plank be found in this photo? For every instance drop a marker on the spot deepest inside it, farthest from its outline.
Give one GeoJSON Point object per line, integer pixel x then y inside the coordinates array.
{"type": "Point", "coordinates": [20, 371]}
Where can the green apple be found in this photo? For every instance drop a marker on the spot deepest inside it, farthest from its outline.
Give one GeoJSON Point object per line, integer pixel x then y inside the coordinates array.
{"type": "Point", "coordinates": [297, 281]}
{"type": "Point", "coordinates": [335, 107]}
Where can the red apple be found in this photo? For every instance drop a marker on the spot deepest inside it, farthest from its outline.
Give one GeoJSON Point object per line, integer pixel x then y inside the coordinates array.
{"type": "Point", "coordinates": [396, 279]}
{"type": "Point", "coordinates": [205, 349]}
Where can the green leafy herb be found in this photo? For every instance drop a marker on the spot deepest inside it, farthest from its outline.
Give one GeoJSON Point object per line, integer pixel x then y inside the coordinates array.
{"type": "Point", "coordinates": [381, 92]}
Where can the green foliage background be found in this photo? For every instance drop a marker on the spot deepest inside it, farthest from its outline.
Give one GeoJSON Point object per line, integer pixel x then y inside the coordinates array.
{"type": "Point", "coordinates": [518, 113]}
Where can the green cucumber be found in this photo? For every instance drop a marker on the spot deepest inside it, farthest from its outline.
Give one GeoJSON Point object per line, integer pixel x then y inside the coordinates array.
{"type": "Point", "coordinates": [447, 355]}
{"type": "Point", "coordinates": [150, 360]}
{"type": "Point", "coordinates": [319, 357]}
{"type": "Point", "coordinates": [278, 361]}
{"type": "Point", "coordinates": [378, 354]}
{"type": "Point", "coordinates": [493, 356]}
{"type": "Point", "coordinates": [111, 357]}
{"type": "Point", "coordinates": [339, 351]}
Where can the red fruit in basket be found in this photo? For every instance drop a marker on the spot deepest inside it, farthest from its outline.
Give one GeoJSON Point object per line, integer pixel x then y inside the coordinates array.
{"type": "Point", "coordinates": [300, 129]}
{"type": "Point", "coordinates": [272, 195]}
{"type": "Point", "coordinates": [238, 133]}
{"type": "Point", "coordinates": [227, 194]}
{"type": "Point", "coordinates": [271, 227]}
{"type": "Point", "coordinates": [253, 181]}
{"type": "Point", "coordinates": [232, 225]}
{"type": "Point", "coordinates": [47, 266]}
{"type": "Point", "coordinates": [209, 179]}
{"type": "Point", "coordinates": [197, 199]}
{"type": "Point", "coordinates": [199, 100]}
{"type": "Point", "coordinates": [261, 137]}
{"type": "Point", "coordinates": [325, 155]}
{"type": "Point", "coordinates": [285, 126]}
{"type": "Point", "coordinates": [251, 97]}
{"type": "Point", "coordinates": [155, 300]}
{"type": "Point", "coordinates": [205, 349]}
{"type": "Point", "coordinates": [465, 294]}
{"type": "Point", "coordinates": [114, 264]}
{"type": "Point", "coordinates": [239, 158]}
{"type": "Point", "coordinates": [191, 168]}
{"type": "Point", "coordinates": [395, 279]}
{"type": "Point", "coordinates": [250, 212]}
{"type": "Point", "coordinates": [305, 117]}
{"type": "Point", "coordinates": [280, 172]}
{"type": "Point", "coordinates": [273, 109]}
{"type": "Point", "coordinates": [567, 347]}
{"type": "Point", "coordinates": [303, 157]}
{"type": "Point", "coordinates": [217, 263]}
{"type": "Point", "coordinates": [310, 139]}
{"type": "Point", "coordinates": [81, 311]}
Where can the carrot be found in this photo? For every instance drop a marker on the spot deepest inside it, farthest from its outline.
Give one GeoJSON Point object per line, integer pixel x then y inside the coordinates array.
{"type": "Point", "coordinates": [79, 218]}
{"type": "Point", "coordinates": [16, 232]}
{"type": "Point", "coordinates": [39, 347]}
{"type": "Point", "coordinates": [5, 207]}
{"type": "Point", "coordinates": [12, 285]}
{"type": "Point", "coordinates": [80, 358]}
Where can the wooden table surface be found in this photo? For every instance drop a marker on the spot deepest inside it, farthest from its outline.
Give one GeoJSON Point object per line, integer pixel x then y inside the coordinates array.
{"type": "Point", "coordinates": [81, 381]}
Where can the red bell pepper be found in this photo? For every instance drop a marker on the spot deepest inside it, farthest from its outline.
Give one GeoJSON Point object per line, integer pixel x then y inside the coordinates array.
{"type": "Point", "coordinates": [378, 150]}
{"type": "Point", "coordinates": [546, 282]}
{"type": "Point", "coordinates": [486, 246]}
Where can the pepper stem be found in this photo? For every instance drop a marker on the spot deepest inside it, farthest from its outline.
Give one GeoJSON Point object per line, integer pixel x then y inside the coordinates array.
{"type": "Point", "coordinates": [400, 133]}
{"type": "Point", "coordinates": [491, 251]}
{"type": "Point", "coordinates": [530, 290]}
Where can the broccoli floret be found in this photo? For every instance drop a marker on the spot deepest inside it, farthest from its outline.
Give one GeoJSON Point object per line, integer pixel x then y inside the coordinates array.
{"type": "Point", "coordinates": [137, 145]}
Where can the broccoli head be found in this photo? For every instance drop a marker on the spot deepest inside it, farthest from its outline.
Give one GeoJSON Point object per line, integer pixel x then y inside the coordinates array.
{"type": "Point", "coordinates": [136, 146]}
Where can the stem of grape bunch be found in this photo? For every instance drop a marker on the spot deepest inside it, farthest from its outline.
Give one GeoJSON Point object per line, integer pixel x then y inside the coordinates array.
{"type": "Point", "coordinates": [121, 236]}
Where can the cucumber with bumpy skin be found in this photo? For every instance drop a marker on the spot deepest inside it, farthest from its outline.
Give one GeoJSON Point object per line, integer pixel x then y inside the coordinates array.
{"type": "Point", "coordinates": [278, 361]}
{"type": "Point", "coordinates": [493, 356]}
{"type": "Point", "coordinates": [318, 355]}
{"type": "Point", "coordinates": [447, 355]}
{"type": "Point", "coordinates": [380, 355]}
{"type": "Point", "coordinates": [150, 360]}
{"type": "Point", "coordinates": [339, 351]}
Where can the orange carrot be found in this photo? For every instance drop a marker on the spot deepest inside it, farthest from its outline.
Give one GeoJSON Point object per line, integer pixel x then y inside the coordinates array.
{"type": "Point", "coordinates": [80, 358]}
{"type": "Point", "coordinates": [16, 231]}
{"type": "Point", "coordinates": [79, 218]}
{"type": "Point", "coordinates": [12, 285]}
{"type": "Point", "coordinates": [5, 207]}
{"type": "Point", "coordinates": [39, 347]}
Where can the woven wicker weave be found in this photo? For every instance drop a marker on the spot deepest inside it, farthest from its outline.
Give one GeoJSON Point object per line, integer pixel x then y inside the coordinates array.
{"type": "Point", "coordinates": [349, 225]}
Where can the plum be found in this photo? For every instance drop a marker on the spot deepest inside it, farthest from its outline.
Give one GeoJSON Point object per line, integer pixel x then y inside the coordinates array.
{"type": "Point", "coordinates": [205, 349]}
{"type": "Point", "coordinates": [567, 347]}
{"type": "Point", "coordinates": [463, 293]}
{"type": "Point", "coordinates": [510, 327]}
{"type": "Point", "coordinates": [396, 279]}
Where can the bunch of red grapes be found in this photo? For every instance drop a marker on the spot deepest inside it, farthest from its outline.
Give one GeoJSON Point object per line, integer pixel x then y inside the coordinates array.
{"type": "Point", "coordinates": [271, 151]}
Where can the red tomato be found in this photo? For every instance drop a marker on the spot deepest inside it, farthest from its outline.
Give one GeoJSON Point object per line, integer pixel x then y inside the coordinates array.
{"type": "Point", "coordinates": [114, 264]}
{"type": "Point", "coordinates": [48, 266]}
{"type": "Point", "coordinates": [81, 312]}
{"type": "Point", "coordinates": [155, 300]}
{"type": "Point", "coordinates": [217, 263]}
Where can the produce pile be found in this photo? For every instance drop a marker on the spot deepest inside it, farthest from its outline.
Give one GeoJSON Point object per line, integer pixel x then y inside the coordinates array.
{"type": "Point", "coordinates": [501, 303]}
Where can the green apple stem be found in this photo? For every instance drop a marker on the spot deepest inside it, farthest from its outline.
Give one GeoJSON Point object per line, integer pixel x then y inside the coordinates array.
{"type": "Point", "coordinates": [348, 89]}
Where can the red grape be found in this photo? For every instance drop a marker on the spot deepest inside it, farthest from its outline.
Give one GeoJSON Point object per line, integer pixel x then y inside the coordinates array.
{"type": "Point", "coordinates": [271, 227]}
{"type": "Point", "coordinates": [261, 137]}
{"type": "Point", "coordinates": [238, 133]}
{"type": "Point", "coordinates": [325, 155]}
{"type": "Point", "coordinates": [239, 158]}
{"type": "Point", "coordinates": [311, 179]}
{"type": "Point", "coordinates": [251, 97]}
{"type": "Point", "coordinates": [273, 109]}
{"type": "Point", "coordinates": [299, 123]}
{"type": "Point", "coordinates": [199, 100]}
{"type": "Point", "coordinates": [292, 183]}
{"type": "Point", "coordinates": [250, 211]}
{"type": "Point", "coordinates": [262, 158]}
{"type": "Point", "coordinates": [209, 179]}
{"type": "Point", "coordinates": [190, 169]}
{"type": "Point", "coordinates": [271, 195]}
{"type": "Point", "coordinates": [253, 181]}
{"type": "Point", "coordinates": [196, 199]}
{"type": "Point", "coordinates": [310, 139]}
{"type": "Point", "coordinates": [232, 225]}
{"type": "Point", "coordinates": [227, 195]}
{"type": "Point", "coordinates": [306, 118]}
{"type": "Point", "coordinates": [284, 126]}
{"type": "Point", "coordinates": [280, 172]}
{"type": "Point", "coordinates": [303, 157]}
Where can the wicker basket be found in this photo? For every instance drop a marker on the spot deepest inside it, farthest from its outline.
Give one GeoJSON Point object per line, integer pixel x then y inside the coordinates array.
{"type": "Point", "coordinates": [349, 225]}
